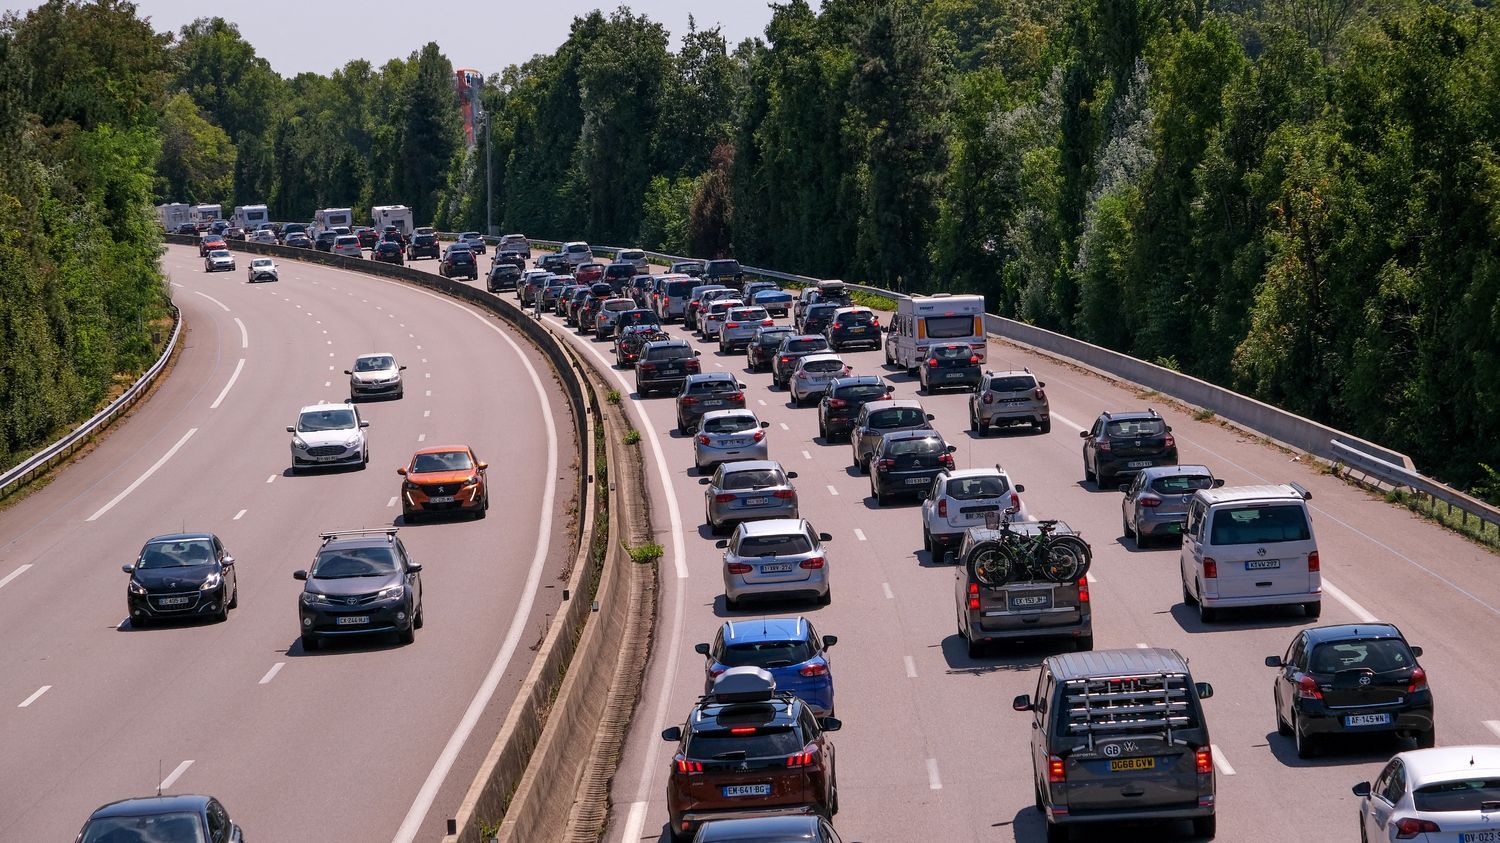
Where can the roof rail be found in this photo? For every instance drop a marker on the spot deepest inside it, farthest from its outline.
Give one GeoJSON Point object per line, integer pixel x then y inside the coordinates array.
{"type": "Point", "coordinates": [389, 532]}
{"type": "Point", "coordinates": [1301, 490]}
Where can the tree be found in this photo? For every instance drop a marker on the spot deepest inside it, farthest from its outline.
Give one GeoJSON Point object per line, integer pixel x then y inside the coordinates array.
{"type": "Point", "coordinates": [429, 133]}
{"type": "Point", "coordinates": [197, 159]}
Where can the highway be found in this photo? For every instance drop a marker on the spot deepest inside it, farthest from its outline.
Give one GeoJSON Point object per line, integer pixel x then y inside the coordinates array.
{"type": "Point", "coordinates": [361, 740]}
{"type": "Point", "coordinates": [930, 749]}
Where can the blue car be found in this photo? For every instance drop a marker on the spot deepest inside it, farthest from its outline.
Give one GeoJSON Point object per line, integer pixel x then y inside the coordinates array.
{"type": "Point", "coordinates": [777, 302]}
{"type": "Point", "coordinates": [790, 648]}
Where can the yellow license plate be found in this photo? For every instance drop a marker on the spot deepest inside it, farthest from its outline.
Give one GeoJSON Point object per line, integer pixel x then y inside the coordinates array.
{"type": "Point", "coordinates": [1120, 765]}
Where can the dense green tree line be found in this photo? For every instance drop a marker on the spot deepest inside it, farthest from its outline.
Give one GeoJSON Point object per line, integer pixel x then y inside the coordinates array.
{"type": "Point", "coordinates": [1297, 199]}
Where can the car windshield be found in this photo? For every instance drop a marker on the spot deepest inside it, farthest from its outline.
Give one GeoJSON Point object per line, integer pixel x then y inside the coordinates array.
{"type": "Point", "coordinates": [670, 352]}
{"type": "Point", "coordinates": [1460, 795]}
{"type": "Point", "coordinates": [1378, 655]}
{"type": "Point", "coordinates": [1260, 525]}
{"type": "Point", "coordinates": [809, 344]}
{"type": "Point", "coordinates": [766, 653]}
{"type": "Point", "coordinates": [789, 545]}
{"type": "Point", "coordinates": [316, 420]}
{"type": "Point", "coordinates": [719, 308]}
{"type": "Point", "coordinates": [1181, 484]}
{"type": "Point", "coordinates": [261, 262]}
{"type": "Point", "coordinates": [1012, 383]}
{"type": "Point", "coordinates": [915, 447]}
{"type": "Point", "coordinates": [771, 742]}
{"type": "Point", "coordinates": [951, 352]}
{"type": "Point", "coordinates": [445, 461]}
{"type": "Point", "coordinates": [183, 553]}
{"type": "Point", "coordinates": [1135, 428]}
{"type": "Point", "coordinates": [861, 391]}
{"type": "Point", "coordinates": [374, 364]}
{"type": "Point", "coordinates": [730, 424]}
{"type": "Point", "coordinates": [897, 417]}
{"type": "Point", "coordinates": [949, 327]}
{"type": "Point", "coordinates": [974, 488]}
{"type": "Point", "coordinates": [174, 827]}
{"type": "Point", "coordinates": [219, 253]}
{"type": "Point", "coordinates": [347, 562]}
{"type": "Point", "coordinates": [759, 478]}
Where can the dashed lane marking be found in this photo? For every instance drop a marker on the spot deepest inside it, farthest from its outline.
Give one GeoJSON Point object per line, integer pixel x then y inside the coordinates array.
{"type": "Point", "coordinates": [886, 587]}
{"type": "Point", "coordinates": [13, 574]}
{"type": "Point", "coordinates": [859, 534]}
{"type": "Point", "coordinates": [833, 491]}
{"type": "Point", "coordinates": [1220, 761]}
{"type": "Point", "coordinates": [238, 367]}
{"type": "Point", "coordinates": [35, 696]}
{"type": "Point", "coordinates": [239, 515]}
{"type": "Point", "coordinates": [244, 333]}
{"type": "Point", "coordinates": [911, 667]}
{"type": "Point", "coordinates": [933, 781]}
{"type": "Point", "coordinates": [271, 674]}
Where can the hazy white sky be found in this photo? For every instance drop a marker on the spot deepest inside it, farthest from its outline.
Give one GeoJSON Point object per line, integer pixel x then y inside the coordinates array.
{"type": "Point", "coordinates": [486, 35]}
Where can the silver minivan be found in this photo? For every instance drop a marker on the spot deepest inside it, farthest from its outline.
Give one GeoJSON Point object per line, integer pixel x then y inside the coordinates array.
{"type": "Point", "coordinates": [1248, 546]}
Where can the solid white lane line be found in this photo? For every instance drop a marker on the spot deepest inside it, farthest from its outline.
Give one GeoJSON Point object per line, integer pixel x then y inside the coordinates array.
{"type": "Point", "coordinates": [429, 393]}
{"type": "Point", "coordinates": [783, 426]}
{"type": "Point", "coordinates": [635, 821]}
{"type": "Point", "coordinates": [1077, 428]}
{"type": "Point", "coordinates": [833, 491]}
{"type": "Point", "coordinates": [1220, 761]}
{"type": "Point", "coordinates": [244, 334]}
{"type": "Point", "coordinates": [271, 478]}
{"type": "Point", "coordinates": [886, 587]}
{"type": "Point", "coordinates": [173, 776]}
{"type": "Point", "coordinates": [212, 299]}
{"type": "Point", "coordinates": [933, 781]}
{"type": "Point", "coordinates": [13, 574]}
{"type": "Point", "coordinates": [911, 667]}
{"type": "Point", "coordinates": [1493, 726]}
{"type": "Point", "coordinates": [271, 674]}
{"type": "Point", "coordinates": [239, 515]}
{"type": "Point", "coordinates": [238, 367]}
{"type": "Point", "coordinates": [33, 698]}
{"type": "Point", "coordinates": [859, 534]}
{"type": "Point", "coordinates": [390, 503]}
{"type": "Point", "coordinates": [144, 477]}
{"type": "Point", "coordinates": [1338, 594]}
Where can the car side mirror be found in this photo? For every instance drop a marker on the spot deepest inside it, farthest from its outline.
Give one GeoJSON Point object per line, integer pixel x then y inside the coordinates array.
{"type": "Point", "coordinates": [765, 424]}
{"type": "Point", "coordinates": [1041, 384]}
{"type": "Point", "coordinates": [1083, 434]}
{"type": "Point", "coordinates": [704, 481]}
{"type": "Point", "coordinates": [129, 569]}
{"type": "Point", "coordinates": [1169, 428]}
{"type": "Point", "coordinates": [1022, 703]}
{"type": "Point", "coordinates": [1204, 689]}
{"type": "Point", "coordinates": [1020, 488]}
{"type": "Point", "coordinates": [829, 641]}
{"type": "Point", "coordinates": [701, 649]}
{"type": "Point", "coordinates": [414, 567]}
{"type": "Point", "coordinates": [697, 354]}
{"type": "Point", "coordinates": [347, 372]}
{"type": "Point", "coordinates": [400, 368]}
{"type": "Point", "coordinates": [228, 560]}
{"type": "Point", "coordinates": [364, 424]}
{"type": "Point", "coordinates": [722, 544]}
{"type": "Point", "coordinates": [740, 385]}
{"type": "Point", "coordinates": [825, 537]}
{"type": "Point", "coordinates": [299, 575]}
{"type": "Point", "coordinates": [889, 388]}
{"type": "Point", "coordinates": [290, 429]}
{"type": "Point", "coordinates": [830, 724]}
{"type": "Point", "coordinates": [791, 475]}
{"type": "Point", "coordinates": [1125, 487]}
{"type": "Point", "coordinates": [1361, 789]}
{"type": "Point", "coordinates": [1416, 652]}
{"type": "Point", "coordinates": [673, 734]}
{"type": "Point", "coordinates": [1273, 661]}
{"type": "Point", "coordinates": [952, 449]}
{"type": "Point", "coordinates": [482, 465]}
{"type": "Point", "coordinates": [401, 471]}
{"type": "Point", "coordinates": [931, 417]}
{"type": "Point", "coordinates": [1218, 482]}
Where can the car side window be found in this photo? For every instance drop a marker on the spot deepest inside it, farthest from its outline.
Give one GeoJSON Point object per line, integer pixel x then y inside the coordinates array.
{"type": "Point", "coordinates": [1094, 431]}
{"type": "Point", "coordinates": [937, 490]}
{"type": "Point", "coordinates": [218, 822]}
{"type": "Point", "coordinates": [1395, 783]}
{"type": "Point", "coordinates": [809, 723]}
{"type": "Point", "coordinates": [218, 547]}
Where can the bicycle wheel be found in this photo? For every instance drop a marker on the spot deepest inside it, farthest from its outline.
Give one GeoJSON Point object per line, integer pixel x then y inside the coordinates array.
{"type": "Point", "coordinates": [1067, 559]}
{"type": "Point", "coordinates": [990, 564]}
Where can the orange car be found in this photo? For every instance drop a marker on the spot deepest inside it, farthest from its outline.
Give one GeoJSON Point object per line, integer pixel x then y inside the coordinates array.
{"type": "Point", "coordinates": [211, 242]}
{"type": "Point", "coordinates": [446, 478]}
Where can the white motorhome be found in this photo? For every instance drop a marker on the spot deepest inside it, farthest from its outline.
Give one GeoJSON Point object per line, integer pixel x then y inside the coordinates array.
{"type": "Point", "coordinates": [397, 215]}
{"type": "Point", "coordinates": [250, 217]}
{"type": "Point", "coordinates": [205, 214]}
{"type": "Point", "coordinates": [327, 218]}
{"type": "Point", "coordinates": [174, 214]}
{"type": "Point", "coordinates": [921, 321]}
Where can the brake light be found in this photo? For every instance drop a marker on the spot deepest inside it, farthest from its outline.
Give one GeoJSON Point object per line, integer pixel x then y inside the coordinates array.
{"type": "Point", "coordinates": [883, 465]}
{"type": "Point", "coordinates": [1148, 500]}
{"type": "Point", "coordinates": [786, 359]}
{"type": "Point", "coordinates": [973, 358]}
{"type": "Point", "coordinates": [974, 597]}
{"type": "Point", "coordinates": [692, 365]}
{"type": "Point", "coordinates": [1210, 568]}
{"type": "Point", "coordinates": [703, 440]}
{"type": "Point", "coordinates": [837, 403]}
{"type": "Point", "coordinates": [731, 324]}
{"type": "Point", "coordinates": [946, 460]}
{"type": "Point", "coordinates": [1039, 394]}
{"type": "Point", "coordinates": [875, 321]}
{"type": "Point", "coordinates": [738, 568]}
{"type": "Point", "coordinates": [932, 361]}
{"type": "Point", "coordinates": [759, 435]}
{"type": "Point", "coordinates": [1307, 688]}
{"type": "Point", "coordinates": [1171, 441]}
{"type": "Point", "coordinates": [1205, 759]}
{"type": "Point", "coordinates": [943, 508]}
{"type": "Point", "coordinates": [1057, 772]}
{"type": "Point", "coordinates": [1083, 590]}
{"type": "Point", "coordinates": [738, 396]}
{"type": "Point", "coordinates": [688, 399]}
{"type": "Point", "coordinates": [800, 759]}
{"type": "Point", "coordinates": [723, 498]}
{"type": "Point", "coordinates": [784, 494]}
{"type": "Point", "coordinates": [742, 730]}
{"type": "Point", "coordinates": [1407, 828]}
{"type": "Point", "coordinates": [686, 766]}
{"type": "Point", "coordinates": [1313, 565]}
{"type": "Point", "coordinates": [648, 367]}
{"type": "Point", "coordinates": [817, 669]}
{"type": "Point", "coordinates": [1418, 681]}
{"type": "Point", "coordinates": [768, 323]}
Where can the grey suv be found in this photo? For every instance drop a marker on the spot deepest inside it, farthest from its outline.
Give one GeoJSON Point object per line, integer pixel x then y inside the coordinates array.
{"type": "Point", "coordinates": [1119, 735]}
{"type": "Point", "coordinates": [1009, 398]}
{"type": "Point", "coordinates": [878, 418]}
{"type": "Point", "coordinates": [1028, 609]}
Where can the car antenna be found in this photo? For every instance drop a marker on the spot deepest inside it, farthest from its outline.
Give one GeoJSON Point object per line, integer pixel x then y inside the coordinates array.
{"type": "Point", "coordinates": [158, 777]}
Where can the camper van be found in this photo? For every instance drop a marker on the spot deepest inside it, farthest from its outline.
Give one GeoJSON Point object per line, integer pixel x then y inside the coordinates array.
{"type": "Point", "coordinates": [173, 215]}
{"type": "Point", "coordinates": [329, 218]}
{"type": "Point", "coordinates": [205, 214]}
{"type": "Point", "coordinates": [397, 215]}
{"type": "Point", "coordinates": [251, 217]}
{"type": "Point", "coordinates": [921, 321]}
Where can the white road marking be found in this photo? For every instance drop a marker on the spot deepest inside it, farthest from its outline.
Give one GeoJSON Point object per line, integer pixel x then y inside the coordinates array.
{"type": "Point", "coordinates": [720, 365]}
{"type": "Point", "coordinates": [761, 401]}
{"type": "Point", "coordinates": [271, 674]}
{"type": "Point", "coordinates": [832, 491]}
{"type": "Point", "coordinates": [421, 437]}
{"type": "Point", "coordinates": [426, 374]}
{"type": "Point", "coordinates": [325, 330]}
{"type": "Point", "coordinates": [806, 455]}
{"type": "Point", "coordinates": [424, 359]}
{"type": "Point", "coordinates": [212, 299]}
{"type": "Point", "coordinates": [238, 367]}
{"type": "Point", "coordinates": [886, 587]}
{"type": "Point", "coordinates": [1141, 645]}
{"type": "Point", "coordinates": [401, 324]}
{"type": "Point", "coordinates": [144, 477]}
{"type": "Point", "coordinates": [330, 354]}
{"type": "Point", "coordinates": [173, 776]}
{"type": "Point", "coordinates": [635, 821]}
{"type": "Point", "coordinates": [1493, 726]}
{"type": "Point", "coordinates": [239, 515]}
{"type": "Point", "coordinates": [411, 336]}
{"type": "Point", "coordinates": [911, 667]}
{"type": "Point", "coordinates": [330, 368]}
{"type": "Point", "coordinates": [13, 574]}
{"type": "Point", "coordinates": [33, 698]}
{"type": "Point", "coordinates": [933, 781]}
{"type": "Point", "coordinates": [859, 534]}
{"type": "Point", "coordinates": [429, 393]}
{"type": "Point", "coordinates": [328, 383]}
{"type": "Point", "coordinates": [328, 342]}
{"type": "Point", "coordinates": [783, 426]}
{"type": "Point", "coordinates": [175, 284]}
{"type": "Point", "coordinates": [1220, 761]}
{"type": "Point", "coordinates": [426, 413]}
{"type": "Point", "coordinates": [244, 334]}
{"type": "Point", "coordinates": [1077, 428]}
{"type": "Point", "coordinates": [1090, 576]}
{"type": "Point", "coordinates": [271, 478]}
{"type": "Point", "coordinates": [390, 503]}
{"type": "Point", "coordinates": [1359, 611]}
{"type": "Point", "coordinates": [419, 348]}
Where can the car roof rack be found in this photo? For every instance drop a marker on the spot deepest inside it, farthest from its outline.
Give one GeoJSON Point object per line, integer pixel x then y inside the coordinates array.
{"type": "Point", "coordinates": [743, 684]}
{"type": "Point", "coordinates": [390, 533]}
{"type": "Point", "coordinates": [1301, 490]}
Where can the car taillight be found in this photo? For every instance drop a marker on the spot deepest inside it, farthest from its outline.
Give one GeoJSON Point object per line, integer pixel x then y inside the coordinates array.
{"type": "Point", "coordinates": [1083, 590]}
{"type": "Point", "coordinates": [812, 564]}
{"type": "Point", "coordinates": [759, 435]}
{"type": "Point", "coordinates": [1407, 828]}
{"type": "Point", "coordinates": [784, 494]}
{"type": "Point", "coordinates": [1171, 441]}
{"type": "Point", "coordinates": [1313, 564]}
{"type": "Point", "coordinates": [973, 358]}
{"type": "Point", "coordinates": [703, 440]}
{"type": "Point", "coordinates": [885, 465]}
{"type": "Point", "coordinates": [1148, 500]}
{"type": "Point", "coordinates": [1057, 771]}
{"type": "Point", "coordinates": [801, 759]}
{"type": "Point", "coordinates": [731, 324]}
{"type": "Point", "coordinates": [988, 398]}
{"type": "Point", "coordinates": [1210, 568]}
{"type": "Point", "coordinates": [738, 568]}
{"type": "Point", "coordinates": [1204, 757]}
{"type": "Point", "coordinates": [737, 396]}
{"type": "Point", "coordinates": [742, 730]}
{"type": "Point", "coordinates": [1418, 681]}
{"type": "Point", "coordinates": [947, 461]}
{"type": "Point", "coordinates": [692, 365]}
{"type": "Point", "coordinates": [837, 403]}
{"type": "Point", "coordinates": [943, 508]}
{"type": "Point", "coordinates": [932, 361]}
{"type": "Point", "coordinates": [875, 322]}
{"type": "Point", "coordinates": [768, 323]}
{"type": "Point", "coordinates": [1039, 394]}
{"type": "Point", "coordinates": [786, 359]}
{"type": "Point", "coordinates": [1307, 688]}
{"type": "Point", "coordinates": [974, 596]}
{"type": "Point", "coordinates": [723, 498]}
{"type": "Point", "coordinates": [648, 367]}
{"type": "Point", "coordinates": [686, 766]}
{"type": "Point", "coordinates": [818, 669]}
{"type": "Point", "coordinates": [688, 399]}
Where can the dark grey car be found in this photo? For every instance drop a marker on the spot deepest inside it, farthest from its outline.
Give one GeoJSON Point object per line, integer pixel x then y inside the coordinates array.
{"type": "Point", "coordinates": [748, 490]}
{"type": "Point", "coordinates": [1156, 500]}
{"type": "Point", "coordinates": [878, 418]}
{"type": "Point", "coordinates": [906, 464]}
{"type": "Point", "coordinates": [1019, 610]}
{"type": "Point", "coordinates": [361, 582]}
{"type": "Point", "coordinates": [793, 348]}
{"type": "Point", "coordinates": [704, 393]}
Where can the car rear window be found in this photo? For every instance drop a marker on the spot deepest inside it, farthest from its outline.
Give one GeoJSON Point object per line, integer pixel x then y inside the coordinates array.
{"type": "Point", "coordinates": [864, 391]}
{"type": "Point", "coordinates": [769, 742]}
{"type": "Point", "coordinates": [930, 446]}
{"type": "Point", "coordinates": [347, 240]}
{"type": "Point", "coordinates": [759, 478]}
{"type": "Point", "coordinates": [679, 288]}
{"type": "Point", "coordinates": [1181, 484]}
{"type": "Point", "coordinates": [619, 306]}
{"type": "Point", "coordinates": [810, 344]}
{"type": "Point", "coordinates": [714, 386]}
{"type": "Point", "coordinates": [576, 248]}
{"type": "Point", "coordinates": [766, 653]}
{"type": "Point", "coordinates": [670, 352]}
{"type": "Point", "coordinates": [951, 352]}
{"type": "Point", "coordinates": [1260, 525]}
{"type": "Point", "coordinates": [974, 488]}
{"type": "Point", "coordinates": [896, 417]}
{"type": "Point", "coordinates": [748, 314]}
{"type": "Point", "coordinates": [823, 366]}
{"type": "Point", "coordinates": [789, 545]}
{"type": "Point", "coordinates": [1012, 383]}
{"type": "Point", "coordinates": [730, 424]}
{"type": "Point", "coordinates": [1378, 655]}
{"type": "Point", "coordinates": [821, 311]}
{"type": "Point", "coordinates": [858, 317]}
{"type": "Point", "coordinates": [949, 327]}
{"type": "Point", "coordinates": [773, 338]}
{"type": "Point", "coordinates": [723, 267]}
{"type": "Point", "coordinates": [1460, 795]}
{"type": "Point", "coordinates": [1135, 428]}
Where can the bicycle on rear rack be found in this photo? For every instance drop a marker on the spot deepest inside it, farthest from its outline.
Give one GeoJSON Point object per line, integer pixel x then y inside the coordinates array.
{"type": "Point", "coordinates": [1015, 556]}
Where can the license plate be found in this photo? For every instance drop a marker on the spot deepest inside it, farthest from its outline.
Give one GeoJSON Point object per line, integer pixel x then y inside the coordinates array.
{"type": "Point", "coordinates": [917, 481]}
{"type": "Point", "coordinates": [1139, 464]}
{"type": "Point", "coordinates": [1030, 601]}
{"type": "Point", "coordinates": [757, 501]}
{"type": "Point", "coordinates": [1262, 564]}
{"type": "Point", "coordinates": [1367, 719]}
{"type": "Point", "coordinates": [1014, 401]}
{"type": "Point", "coordinates": [1174, 528]}
{"type": "Point", "coordinates": [352, 620]}
{"type": "Point", "coordinates": [953, 376]}
{"type": "Point", "coordinates": [441, 499]}
{"type": "Point", "coordinates": [714, 403]}
{"type": "Point", "coordinates": [1122, 765]}
{"type": "Point", "coordinates": [328, 459]}
{"type": "Point", "coordinates": [779, 568]}
{"type": "Point", "coordinates": [747, 790]}
{"type": "Point", "coordinates": [1488, 836]}
{"type": "Point", "coordinates": [856, 330]}
{"type": "Point", "coordinates": [175, 601]}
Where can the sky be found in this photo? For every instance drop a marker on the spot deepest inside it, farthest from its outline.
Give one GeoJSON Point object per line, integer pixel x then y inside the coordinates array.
{"type": "Point", "coordinates": [486, 35]}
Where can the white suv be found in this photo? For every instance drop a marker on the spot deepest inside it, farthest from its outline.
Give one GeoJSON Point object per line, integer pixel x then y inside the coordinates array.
{"type": "Point", "coordinates": [577, 253]}
{"type": "Point", "coordinates": [1250, 546]}
{"type": "Point", "coordinates": [967, 498]}
{"type": "Point", "coordinates": [376, 373]}
{"type": "Point", "coordinates": [329, 434]}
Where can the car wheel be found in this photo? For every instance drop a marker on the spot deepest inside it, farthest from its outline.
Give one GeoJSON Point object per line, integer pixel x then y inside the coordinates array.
{"type": "Point", "coordinates": [881, 498]}
{"type": "Point", "coordinates": [1207, 614]}
{"type": "Point", "coordinates": [822, 428]}
{"type": "Point", "coordinates": [223, 614]}
{"type": "Point", "coordinates": [1427, 739]}
{"type": "Point", "coordinates": [1058, 833]}
{"type": "Point", "coordinates": [973, 422]}
{"type": "Point", "coordinates": [1306, 744]}
{"type": "Point", "coordinates": [1312, 610]}
{"type": "Point", "coordinates": [976, 649]}
{"type": "Point", "coordinates": [731, 603]}
{"type": "Point", "coordinates": [1036, 789]}
{"type": "Point", "coordinates": [420, 618]}
{"type": "Point", "coordinates": [408, 635]}
{"type": "Point", "coordinates": [1281, 725]}
{"type": "Point", "coordinates": [1045, 427]}
{"type": "Point", "coordinates": [1187, 596]}
{"type": "Point", "coordinates": [309, 643]}
{"type": "Point", "coordinates": [927, 539]}
{"type": "Point", "coordinates": [1088, 476]}
{"type": "Point", "coordinates": [1129, 533]}
{"type": "Point", "coordinates": [234, 601]}
{"type": "Point", "coordinates": [826, 597]}
{"type": "Point", "coordinates": [365, 463]}
{"type": "Point", "coordinates": [1205, 827]}
{"type": "Point", "coordinates": [481, 511]}
{"type": "Point", "coordinates": [1084, 643]}
{"type": "Point", "coordinates": [1102, 480]}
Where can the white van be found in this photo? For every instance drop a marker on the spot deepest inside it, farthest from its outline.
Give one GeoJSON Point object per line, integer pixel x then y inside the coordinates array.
{"type": "Point", "coordinates": [941, 317]}
{"type": "Point", "coordinates": [1250, 546]}
{"type": "Point", "coordinates": [327, 219]}
{"type": "Point", "coordinates": [250, 217]}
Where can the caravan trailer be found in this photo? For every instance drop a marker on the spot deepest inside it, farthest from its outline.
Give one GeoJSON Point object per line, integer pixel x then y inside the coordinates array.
{"type": "Point", "coordinates": [330, 218]}
{"type": "Point", "coordinates": [251, 217]}
{"type": "Point", "coordinates": [941, 317]}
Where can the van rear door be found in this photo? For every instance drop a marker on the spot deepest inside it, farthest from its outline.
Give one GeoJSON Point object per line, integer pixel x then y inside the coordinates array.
{"type": "Point", "coordinates": [1129, 732]}
{"type": "Point", "coordinates": [1261, 549]}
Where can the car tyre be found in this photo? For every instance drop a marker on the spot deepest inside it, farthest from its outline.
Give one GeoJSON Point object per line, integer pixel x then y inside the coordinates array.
{"type": "Point", "coordinates": [1088, 476]}
{"type": "Point", "coordinates": [310, 643]}
{"type": "Point", "coordinates": [1084, 643]}
{"type": "Point", "coordinates": [1129, 533]}
{"type": "Point", "coordinates": [234, 601]}
{"type": "Point", "coordinates": [1058, 833]}
{"type": "Point", "coordinates": [826, 597]}
{"type": "Point", "coordinates": [1307, 746]}
{"type": "Point", "coordinates": [1427, 739]}
{"type": "Point", "coordinates": [1045, 427]}
{"type": "Point", "coordinates": [1206, 827]}
{"type": "Point", "coordinates": [927, 540]}
{"type": "Point", "coordinates": [1281, 725]}
{"type": "Point", "coordinates": [1207, 614]}
{"type": "Point", "coordinates": [731, 603]}
{"type": "Point", "coordinates": [419, 619]}
{"type": "Point", "coordinates": [976, 649]}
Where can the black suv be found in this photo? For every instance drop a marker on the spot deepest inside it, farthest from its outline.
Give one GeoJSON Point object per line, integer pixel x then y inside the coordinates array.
{"type": "Point", "coordinates": [618, 275]}
{"type": "Point", "coordinates": [907, 462]}
{"type": "Point", "coordinates": [794, 347]}
{"type": "Point", "coordinates": [362, 581]}
{"type": "Point", "coordinates": [948, 365]}
{"type": "Point", "coordinates": [324, 241]}
{"type": "Point", "coordinates": [387, 251]}
{"type": "Point", "coordinates": [726, 272]}
{"type": "Point", "coordinates": [664, 365]}
{"type": "Point", "coordinates": [459, 263]}
{"type": "Point", "coordinates": [1119, 735]}
{"type": "Point", "coordinates": [181, 575]}
{"type": "Point", "coordinates": [854, 326]}
{"type": "Point", "coordinates": [816, 317]}
{"type": "Point", "coordinates": [423, 246]}
{"type": "Point", "coordinates": [1124, 443]}
{"type": "Point", "coordinates": [503, 276]}
{"type": "Point", "coordinates": [512, 257]}
{"type": "Point", "coordinates": [762, 348]}
{"type": "Point", "coordinates": [840, 404]}
{"type": "Point", "coordinates": [553, 262]}
{"type": "Point", "coordinates": [1351, 679]}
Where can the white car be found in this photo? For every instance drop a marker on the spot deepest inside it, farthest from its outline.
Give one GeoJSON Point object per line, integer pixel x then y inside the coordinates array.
{"type": "Point", "coordinates": [264, 269]}
{"type": "Point", "coordinates": [715, 316]}
{"type": "Point", "coordinates": [329, 434]}
{"type": "Point", "coordinates": [376, 373]}
{"type": "Point", "coordinates": [812, 374]}
{"type": "Point", "coordinates": [219, 260]}
{"type": "Point", "coordinates": [635, 256]}
{"type": "Point", "coordinates": [1447, 793]}
{"type": "Point", "coordinates": [968, 497]}
{"type": "Point", "coordinates": [263, 235]}
{"type": "Point", "coordinates": [348, 246]}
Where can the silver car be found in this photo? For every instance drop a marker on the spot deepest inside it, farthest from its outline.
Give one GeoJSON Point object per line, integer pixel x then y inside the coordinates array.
{"type": "Point", "coordinates": [263, 269]}
{"type": "Point", "coordinates": [781, 558]}
{"type": "Point", "coordinates": [348, 246]}
{"type": "Point", "coordinates": [740, 327]}
{"type": "Point", "coordinates": [1009, 398]}
{"type": "Point", "coordinates": [1156, 500]}
{"type": "Point", "coordinates": [727, 436]}
{"type": "Point", "coordinates": [375, 374]}
{"type": "Point", "coordinates": [813, 373]}
{"type": "Point", "coordinates": [604, 322]}
{"type": "Point", "coordinates": [715, 315]}
{"type": "Point", "coordinates": [748, 490]}
{"type": "Point", "coordinates": [218, 260]}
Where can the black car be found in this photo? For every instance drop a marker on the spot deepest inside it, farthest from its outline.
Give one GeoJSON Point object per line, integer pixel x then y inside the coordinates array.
{"type": "Point", "coordinates": [324, 241]}
{"type": "Point", "coordinates": [815, 318]}
{"type": "Point", "coordinates": [906, 463]}
{"type": "Point", "coordinates": [187, 818]}
{"type": "Point", "coordinates": [762, 348]}
{"type": "Point", "coordinates": [510, 256]}
{"type": "Point", "coordinates": [692, 268]}
{"type": "Point", "coordinates": [503, 276]}
{"type": "Point", "coordinates": [553, 262]}
{"type": "Point", "coordinates": [368, 237]}
{"type": "Point", "coordinates": [188, 229]}
{"type": "Point", "coordinates": [1124, 443]}
{"type": "Point", "coordinates": [1351, 679]}
{"type": "Point", "coordinates": [181, 575]}
{"type": "Point", "coordinates": [459, 262]}
{"type": "Point", "coordinates": [361, 582]}
{"type": "Point", "coordinates": [726, 272]}
{"type": "Point", "coordinates": [618, 274]}
{"type": "Point", "coordinates": [388, 251]}
{"type": "Point", "coordinates": [628, 346]}
{"type": "Point", "coordinates": [949, 365]}
{"type": "Point", "coordinates": [840, 404]}
{"type": "Point", "coordinates": [853, 326]}
{"type": "Point", "coordinates": [630, 318]}
{"type": "Point", "coordinates": [292, 228]}
{"type": "Point", "coordinates": [423, 246]}
{"type": "Point", "coordinates": [804, 829]}
{"type": "Point", "coordinates": [393, 234]}
{"type": "Point", "coordinates": [297, 240]}
{"type": "Point", "coordinates": [793, 348]}
{"type": "Point", "coordinates": [574, 303]}
{"type": "Point", "coordinates": [664, 365]}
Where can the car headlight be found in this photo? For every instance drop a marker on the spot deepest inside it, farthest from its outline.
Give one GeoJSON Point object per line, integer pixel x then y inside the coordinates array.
{"type": "Point", "coordinates": [312, 597]}
{"type": "Point", "coordinates": [395, 592]}
{"type": "Point", "coordinates": [212, 582]}
{"type": "Point", "coordinates": [351, 442]}
{"type": "Point", "coordinates": [136, 588]}
{"type": "Point", "coordinates": [299, 444]}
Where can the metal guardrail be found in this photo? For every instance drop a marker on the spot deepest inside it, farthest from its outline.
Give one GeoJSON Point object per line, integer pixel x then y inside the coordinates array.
{"type": "Point", "coordinates": [1400, 476]}
{"type": "Point", "coordinates": [44, 459]}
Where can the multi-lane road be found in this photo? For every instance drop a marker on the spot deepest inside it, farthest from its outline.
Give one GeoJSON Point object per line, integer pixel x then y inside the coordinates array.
{"type": "Point", "coordinates": [361, 741]}
{"type": "Point", "coordinates": [930, 749]}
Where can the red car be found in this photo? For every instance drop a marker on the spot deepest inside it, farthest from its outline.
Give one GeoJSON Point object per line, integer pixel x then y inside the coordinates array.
{"type": "Point", "coordinates": [588, 273]}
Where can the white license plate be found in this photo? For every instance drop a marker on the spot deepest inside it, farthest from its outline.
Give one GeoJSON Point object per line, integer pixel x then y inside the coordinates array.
{"type": "Point", "coordinates": [917, 481]}
{"type": "Point", "coordinates": [714, 403]}
{"type": "Point", "coordinates": [1488, 836]}
{"type": "Point", "coordinates": [747, 790]}
{"type": "Point", "coordinates": [1367, 719]}
{"type": "Point", "coordinates": [175, 601]}
{"type": "Point", "coordinates": [328, 459]}
{"type": "Point", "coordinates": [1138, 464]}
{"type": "Point", "coordinates": [352, 620]}
{"type": "Point", "coordinates": [441, 499]}
{"type": "Point", "coordinates": [779, 568]}
{"type": "Point", "coordinates": [1262, 564]}
{"type": "Point", "coordinates": [757, 501]}
{"type": "Point", "coordinates": [953, 376]}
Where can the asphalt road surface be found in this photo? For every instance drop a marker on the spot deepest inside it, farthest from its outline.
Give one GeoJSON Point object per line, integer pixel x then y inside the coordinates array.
{"type": "Point", "coordinates": [363, 740]}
